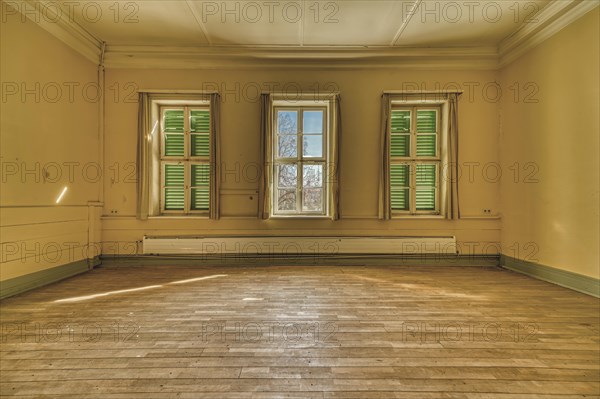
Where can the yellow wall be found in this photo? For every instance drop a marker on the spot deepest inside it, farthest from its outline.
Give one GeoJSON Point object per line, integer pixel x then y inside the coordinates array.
{"type": "Point", "coordinates": [360, 92]}
{"type": "Point", "coordinates": [45, 129]}
{"type": "Point", "coordinates": [558, 135]}
{"type": "Point", "coordinates": [557, 215]}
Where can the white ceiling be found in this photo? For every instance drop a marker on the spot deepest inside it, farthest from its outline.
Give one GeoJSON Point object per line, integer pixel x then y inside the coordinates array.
{"type": "Point", "coordinates": [327, 23]}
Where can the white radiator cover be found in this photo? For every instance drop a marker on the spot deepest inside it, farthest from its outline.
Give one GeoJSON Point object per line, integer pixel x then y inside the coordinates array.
{"type": "Point", "coordinates": [309, 246]}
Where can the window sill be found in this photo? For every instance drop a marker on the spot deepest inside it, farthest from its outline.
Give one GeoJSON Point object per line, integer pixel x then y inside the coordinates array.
{"type": "Point", "coordinates": [412, 217]}
{"type": "Point", "coordinates": [203, 217]}
{"type": "Point", "coordinates": [284, 217]}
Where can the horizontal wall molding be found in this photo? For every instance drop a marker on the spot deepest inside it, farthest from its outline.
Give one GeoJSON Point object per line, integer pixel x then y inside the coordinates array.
{"type": "Point", "coordinates": [297, 245]}
{"type": "Point", "coordinates": [44, 277]}
{"type": "Point", "coordinates": [276, 57]}
{"type": "Point", "coordinates": [303, 260]}
{"type": "Point", "coordinates": [574, 281]}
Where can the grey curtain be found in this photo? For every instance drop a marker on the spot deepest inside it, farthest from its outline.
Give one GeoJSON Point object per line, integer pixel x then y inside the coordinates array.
{"type": "Point", "coordinates": [453, 205]}
{"type": "Point", "coordinates": [385, 209]}
{"type": "Point", "coordinates": [215, 155]}
{"type": "Point", "coordinates": [144, 154]}
{"type": "Point", "coordinates": [334, 162]}
{"type": "Point", "coordinates": [266, 150]}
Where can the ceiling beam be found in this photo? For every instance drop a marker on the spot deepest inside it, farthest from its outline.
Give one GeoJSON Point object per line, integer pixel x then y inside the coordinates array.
{"type": "Point", "coordinates": [199, 21]}
{"type": "Point", "coordinates": [407, 19]}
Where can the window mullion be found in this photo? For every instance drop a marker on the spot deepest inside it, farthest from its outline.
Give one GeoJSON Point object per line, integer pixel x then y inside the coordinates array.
{"type": "Point", "coordinates": [300, 165]}
{"type": "Point", "coordinates": [413, 165]}
{"type": "Point", "coordinates": [187, 168]}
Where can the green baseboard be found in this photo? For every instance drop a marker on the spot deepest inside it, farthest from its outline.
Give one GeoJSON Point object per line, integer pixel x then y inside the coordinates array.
{"type": "Point", "coordinates": [574, 281]}
{"type": "Point", "coordinates": [28, 282]}
{"type": "Point", "coordinates": [302, 260]}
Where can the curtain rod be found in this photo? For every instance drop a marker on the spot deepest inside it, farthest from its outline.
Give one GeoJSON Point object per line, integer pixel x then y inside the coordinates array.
{"type": "Point", "coordinates": [308, 93]}
{"type": "Point", "coordinates": [422, 92]}
{"type": "Point", "coordinates": [165, 91]}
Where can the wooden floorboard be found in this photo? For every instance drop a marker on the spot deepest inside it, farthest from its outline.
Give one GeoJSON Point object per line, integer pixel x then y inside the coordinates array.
{"type": "Point", "coordinates": [326, 332]}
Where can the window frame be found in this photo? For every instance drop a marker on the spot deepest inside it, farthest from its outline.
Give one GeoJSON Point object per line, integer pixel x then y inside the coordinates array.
{"type": "Point", "coordinates": [412, 160]}
{"type": "Point", "coordinates": [187, 160]}
{"type": "Point", "coordinates": [300, 160]}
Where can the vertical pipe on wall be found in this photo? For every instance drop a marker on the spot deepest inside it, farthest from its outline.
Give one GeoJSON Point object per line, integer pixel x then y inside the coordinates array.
{"type": "Point", "coordinates": [101, 105]}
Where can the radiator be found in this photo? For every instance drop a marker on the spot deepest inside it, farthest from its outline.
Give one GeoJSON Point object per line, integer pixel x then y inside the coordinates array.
{"type": "Point", "coordinates": [298, 246]}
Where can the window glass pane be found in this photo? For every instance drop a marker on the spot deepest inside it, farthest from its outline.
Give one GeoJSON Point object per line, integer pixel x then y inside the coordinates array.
{"type": "Point", "coordinates": [288, 146]}
{"type": "Point", "coordinates": [425, 199]}
{"type": "Point", "coordinates": [199, 121]}
{"type": "Point", "coordinates": [200, 175]}
{"type": "Point", "coordinates": [174, 199]}
{"type": "Point", "coordinates": [426, 121]}
{"type": "Point", "coordinates": [174, 187]}
{"type": "Point", "coordinates": [312, 146]}
{"type": "Point", "coordinates": [399, 199]}
{"type": "Point", "coordinates": [287, 176]}
{"type": "Point", "coordinates": [425, 193]}
{"type": "Point", "coordinates": [200, 145]}
{"type": "Point", "coordinates": [426, 175]}
{"type": "Point", "coordinates": [174, 175]}
{"type": "Point", "coordinates": [173, 121]}
{"type": "Point", "coordinates": [286, 200]}
{"type": "Point", "coordinates": [400, 146]}
{"type": "Point", "coordinates": [399, 176]}
{"type": "Point", "coordinates": [200, 199]}
{"type": "Point", "coordinates": [426, 145]}
{"type": "Point", "coordinates": [174, 145]}
{"type": "Point", "coordinates": [400, 121]}
{"type": "Point", "coordinates": [312, 176]}
{"type": "Point", "coordinates": [312, 200]}
{"type": "Point", "coordinates": [313, 122]}
{"type": "Point", "coordinates": [287, 122]}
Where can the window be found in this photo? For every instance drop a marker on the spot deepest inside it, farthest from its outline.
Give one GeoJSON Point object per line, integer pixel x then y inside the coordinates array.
{"type": "Point", "coordinates": [415, 160]}
{"type": "Point", "coordinates": [185, 170]}
{"type": "Point", "coordinates": [300, 159]}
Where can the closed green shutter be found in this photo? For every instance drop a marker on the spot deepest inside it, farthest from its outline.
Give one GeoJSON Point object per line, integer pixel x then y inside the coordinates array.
{"type": "Point", "coordinates": [426, 133]}
{"type": "Point", "coordinates": [400, 134]}
{"type": "Point", "coordinates": [426, 179]}
{"type": "Point", "coordinates": [399, 187]}
{"type": "Point", "coordinates": [200, 129]}
{"type": "Point", "coordinates": [174, 132]}
{"type": "Point", "coordinates": [200, 187]}
{"type": "Point", "coordinates": [174, 186]}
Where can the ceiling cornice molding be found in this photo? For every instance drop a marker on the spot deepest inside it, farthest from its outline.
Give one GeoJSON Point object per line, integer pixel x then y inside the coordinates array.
{"type": "Point", "coordinates": [62, 26]}
{"type": "Point", "coordinates": [551, 19]}
{"type": "Point", "coordinates": [337, 57]}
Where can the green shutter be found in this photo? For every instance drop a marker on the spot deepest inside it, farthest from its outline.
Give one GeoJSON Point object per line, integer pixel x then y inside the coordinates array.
{"type": "Point", "coordinates": [174, 144]}
{"type": "Point", "coordinates": [400, 146]}
{"type": "Point", "coordinates": [200, 145]}
{"type": "Point", "coordinates": [400, 121]}
{"type": "Point", "coordinates": [173, 126]}
{"type": "Point", "coordinates": [400, 135]}
{"type": "Point", "coordinates": [399, 187]}
{"type": "Point", "coordinates": [426, 145]}
{"type": "Point", "coordinates": [173, 121]}
{"type": "Point", "coordinates": [174, 181]}
{"type": "Point", "coordinates": [199, 121]}
{"type": "Point", "coordinates": [426, 121]}
{"type": "Point", "coordinates": [425, 194]}
{"type": "Point", "coordinates": [200, 200]}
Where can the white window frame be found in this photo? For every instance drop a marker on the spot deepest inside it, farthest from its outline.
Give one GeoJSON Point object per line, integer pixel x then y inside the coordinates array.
{"type": "Point", "coordinates": [412, 160]}
{"type": "Point", "coordinates": [300, 160]}
{"type": "Point", "coordinates": [187, 160]}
